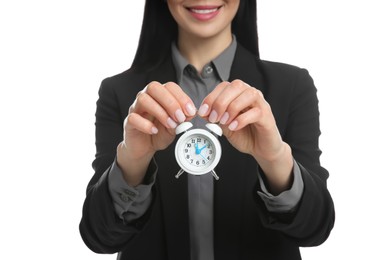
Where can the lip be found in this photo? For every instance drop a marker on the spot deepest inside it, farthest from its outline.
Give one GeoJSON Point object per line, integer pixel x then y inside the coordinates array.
{"type": "Point", "coordinates": [204, 13]}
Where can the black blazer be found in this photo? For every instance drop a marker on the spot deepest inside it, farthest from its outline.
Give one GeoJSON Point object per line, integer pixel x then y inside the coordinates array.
{"type": "Point", "coordinates": [243, 228]}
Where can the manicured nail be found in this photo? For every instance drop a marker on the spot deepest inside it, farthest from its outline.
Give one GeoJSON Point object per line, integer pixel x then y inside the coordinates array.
{"type": "Point", "coordinates": [191, 110]}
{"type": "Point", "coordinates": [233, 125]}
{"type": "Point", "coordinates": [224, 118]}
{"type": "Point", "coordinates": [171, 123]}
{"type": "Point", "coordinates": [180, 116]}
{"type": "Point", "coordinates": [213, 116]}
{"type": "Point", "coordinates": [154, 130]}
{"type": "Point", "coordinates": [203, 109]}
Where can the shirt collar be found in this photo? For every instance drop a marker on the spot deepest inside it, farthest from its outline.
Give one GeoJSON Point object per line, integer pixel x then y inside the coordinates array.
{"type": "Point", "coordinates": [222, 63]}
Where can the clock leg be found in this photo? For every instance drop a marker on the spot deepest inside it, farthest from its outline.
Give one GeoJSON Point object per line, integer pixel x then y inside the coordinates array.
{"type": "Point", "coordinates": [179, 173]}
{"type": "Point", "coordinates": [215, 175]}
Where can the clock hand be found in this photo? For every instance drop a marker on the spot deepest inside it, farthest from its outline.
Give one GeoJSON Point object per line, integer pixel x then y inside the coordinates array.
{"type": "Point", "coordinates": [203, 157]}
{"type": "Point", "coordinates": [202, 148]}
{"type": "Point", "coordinates": [197, 151]}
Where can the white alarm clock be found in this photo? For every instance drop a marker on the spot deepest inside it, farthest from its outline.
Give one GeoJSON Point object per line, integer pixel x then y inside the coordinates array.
{"type": "Point", "coordinates": [198, 151]}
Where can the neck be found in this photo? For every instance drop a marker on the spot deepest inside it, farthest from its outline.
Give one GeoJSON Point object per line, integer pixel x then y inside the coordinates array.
{"type": "Point", "coordinates": [200, 51]}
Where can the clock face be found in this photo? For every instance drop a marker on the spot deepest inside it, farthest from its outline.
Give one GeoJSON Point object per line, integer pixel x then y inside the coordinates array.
{"type": "Point", "coordinates": [198, 151]}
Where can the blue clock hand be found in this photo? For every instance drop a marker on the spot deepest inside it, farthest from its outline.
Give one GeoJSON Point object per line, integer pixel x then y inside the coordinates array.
{"type": "Point", "coordinates": [202, 148]}
{"type": "Point", "coordinates": [197, 151]}
{"type": "Point", "coordinates": [200, 152]}
{"type": "Point", "coordinates": [203, 157]}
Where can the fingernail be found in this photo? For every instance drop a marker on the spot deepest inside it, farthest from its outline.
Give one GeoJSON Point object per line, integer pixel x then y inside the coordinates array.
{"type": "Point", "coordinates": [203, 109]}
{"type": "Point", "coordinates": [171, 123]}
{"type": "Point", "coordinates": [233, 125]}
{"type": "Point", "coordinates": [213, 116]}
{"type": "Point", "coordinates": [154, 130]}
{"type": "Point", "coordinates": [180, 116]}
{"type": "Point", "coordinates": [191, 110]}
{"type": "Point", "coordinates": [224, 118]}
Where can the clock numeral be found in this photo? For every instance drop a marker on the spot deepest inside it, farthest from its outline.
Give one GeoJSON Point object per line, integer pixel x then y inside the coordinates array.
{"type": "Point", "coordinates": [187, 156]}
{"type": "Point", "coordinates": [203, 161]}
{"type": "Point", "coordinates": [193, 141]}
{"type": "Point", "coordinates": [210, 151]}
{"type": "Point", "coordinates": [186, 150]}
{"type": "Point", "coordinates": [198, 140]}
{"type": "Point", "coordinates": [188, 145]}
{"type": "Point", "coordinates": [197, 162]}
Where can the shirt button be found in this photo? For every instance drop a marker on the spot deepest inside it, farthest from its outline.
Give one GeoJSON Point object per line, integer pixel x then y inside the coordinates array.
{"type": "Point", "coordinates": [124, 197]}
{"type": "Point", "coordinates": [208, 69]}
{"type": "Point", "coordinates": [132, 194]}
{"type": "Point", "coordinates": [127, 195]}
{"type": "Point", "coordinates": [191, 70]}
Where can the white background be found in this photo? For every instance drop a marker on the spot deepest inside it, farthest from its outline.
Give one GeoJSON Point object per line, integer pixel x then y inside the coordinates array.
{"type": "Point", "coordinates": [54, 54]}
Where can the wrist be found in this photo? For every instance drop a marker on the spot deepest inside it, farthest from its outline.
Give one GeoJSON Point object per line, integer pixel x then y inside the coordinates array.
{"type": "Point", "coordinates": [133, 166]}
{"type": "Point", "coordinates": [278, 169]}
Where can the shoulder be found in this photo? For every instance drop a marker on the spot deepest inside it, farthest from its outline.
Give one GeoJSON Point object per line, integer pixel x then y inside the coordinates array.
{"type": "Point", "coordinates": [286, 77]}
{"type": "Point", "coordinates": [132, 81]}
{"type": "Point", "coordinates": [118, 91]}
{"type": "Point", "coordinates": [124, 81]}
{"type": "Point", "coordinates": [121, 89]}
{"type": "Point", "coordinates": [273, 74]}
{"type": "Point", "coordinates": [273, 68]}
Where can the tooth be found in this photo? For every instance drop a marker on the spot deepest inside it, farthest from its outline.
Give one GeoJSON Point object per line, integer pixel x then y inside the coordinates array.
{"type": "Point", "coordinates": [204, 11]}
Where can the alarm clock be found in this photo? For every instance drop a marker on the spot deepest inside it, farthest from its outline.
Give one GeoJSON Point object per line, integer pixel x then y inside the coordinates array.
{"type": "Point", "coordinates": [198, 151]}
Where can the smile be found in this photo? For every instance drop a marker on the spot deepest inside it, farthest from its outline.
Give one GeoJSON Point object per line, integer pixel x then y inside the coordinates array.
{"type": "Point", "coordinates": [204, 13]}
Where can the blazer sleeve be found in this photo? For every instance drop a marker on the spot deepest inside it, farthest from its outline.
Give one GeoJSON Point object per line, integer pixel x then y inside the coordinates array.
{"type": "Point", "coordinates": [101, 228]}
{"type": "Point", "coordinates": [312, 220]}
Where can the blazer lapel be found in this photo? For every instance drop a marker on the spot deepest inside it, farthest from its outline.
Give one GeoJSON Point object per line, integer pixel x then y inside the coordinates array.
{"type": "Point", "coordinates": [246, 68]}
{"type": "Point", "coordinates": [237, 171]}
{"type": "Point", "coordinates": [173, 192]}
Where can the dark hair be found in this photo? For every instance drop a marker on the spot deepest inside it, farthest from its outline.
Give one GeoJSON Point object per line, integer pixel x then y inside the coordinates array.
{"type": "Point", "coordinates": [159, 30]}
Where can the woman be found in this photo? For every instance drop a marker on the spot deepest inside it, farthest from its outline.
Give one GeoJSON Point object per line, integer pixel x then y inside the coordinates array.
{"type": "Point", "coordinates": [199, 61]}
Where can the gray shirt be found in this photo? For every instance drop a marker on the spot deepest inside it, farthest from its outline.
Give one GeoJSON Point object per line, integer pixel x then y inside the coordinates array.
{"type": "Point", "coordinates": [132, 202]}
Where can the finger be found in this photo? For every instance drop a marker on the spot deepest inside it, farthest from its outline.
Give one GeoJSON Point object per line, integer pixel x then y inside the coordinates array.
{"type": "Point", "coordinates": [187, 105]}
{"type": "Point", "coordinates": [204, 109]}
{"type": "Point", "coordinates": [249, 117]}
{"type": "Point", "coordinates": [167, 101]}
{"type": "Point", "coordinates": [260, 115]}
{"type": "Point", "coordinates": [248, 99]}
{"type": "Point", "coordinates": [136, 121]}
{"type": "Point", "coordinates": [229, 93]}
{"type": "Point", "coordinates": [149, 108]}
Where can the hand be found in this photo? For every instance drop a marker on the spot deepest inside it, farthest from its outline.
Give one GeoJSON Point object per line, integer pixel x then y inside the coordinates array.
{"type": "Point", "coordinates": [245, 116]}
{"type": "Point", "coordinates": [150, 124]}
{"type": "Point", "coordinates": [249, 125]}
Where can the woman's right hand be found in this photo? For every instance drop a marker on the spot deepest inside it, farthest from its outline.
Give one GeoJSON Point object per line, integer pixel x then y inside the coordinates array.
{"type": "Point", "coordinates": [149, 127]}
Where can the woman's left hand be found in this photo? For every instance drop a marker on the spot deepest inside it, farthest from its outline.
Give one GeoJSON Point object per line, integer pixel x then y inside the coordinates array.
{"type": "Point", "coordinates": [245, 117]}
{"type": "Point", "coordinates": [249, 125]}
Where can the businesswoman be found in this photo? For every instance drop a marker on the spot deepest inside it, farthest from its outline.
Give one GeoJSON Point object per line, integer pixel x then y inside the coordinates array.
{"type": "Point", "coordinates": [198, 61]}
